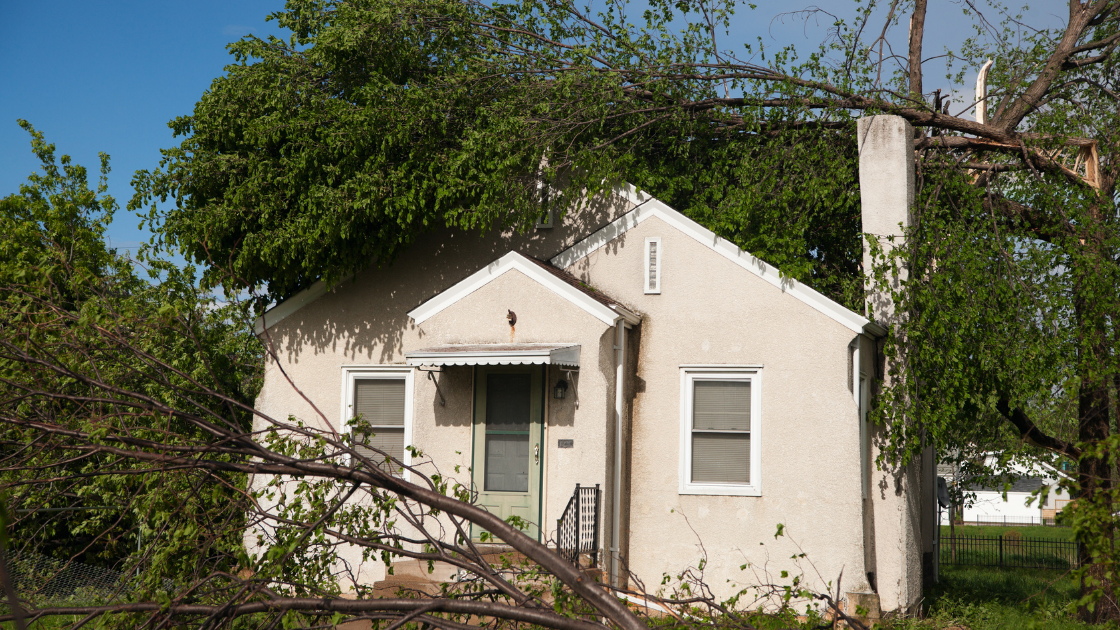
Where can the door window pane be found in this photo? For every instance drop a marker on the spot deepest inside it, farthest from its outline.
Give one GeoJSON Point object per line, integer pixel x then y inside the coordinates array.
{"type": "Point", "coordinates": [507, 401]}
{"type": "Point", "coordinates": [507, 462]}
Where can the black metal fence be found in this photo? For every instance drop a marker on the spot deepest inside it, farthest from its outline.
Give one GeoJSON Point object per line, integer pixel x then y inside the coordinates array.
{"type": "Point", "coordinates": [1009, 551]}
{"type": "Point", "coordinates": [577, 531]}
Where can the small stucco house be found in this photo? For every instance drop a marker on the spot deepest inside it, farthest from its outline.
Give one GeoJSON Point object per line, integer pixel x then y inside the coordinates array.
{"type": "Point", "coordinates": [627, 347]}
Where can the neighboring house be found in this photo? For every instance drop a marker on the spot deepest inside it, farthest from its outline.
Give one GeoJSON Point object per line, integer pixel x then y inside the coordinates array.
{"type": "Point", "coordinates": [1024, 503]}
{"type": "Point", "coordinates": [709, 398]}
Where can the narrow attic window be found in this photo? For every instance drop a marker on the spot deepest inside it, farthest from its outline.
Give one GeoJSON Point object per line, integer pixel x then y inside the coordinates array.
{"type": "Point", "coordinates": [651, 269]}
{"type": "Point", "coordinates": [544, 190]}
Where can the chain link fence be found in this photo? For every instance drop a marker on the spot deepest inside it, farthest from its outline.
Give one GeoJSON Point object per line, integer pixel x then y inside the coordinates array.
{"type": "Point", "coordinates": [45, 581]}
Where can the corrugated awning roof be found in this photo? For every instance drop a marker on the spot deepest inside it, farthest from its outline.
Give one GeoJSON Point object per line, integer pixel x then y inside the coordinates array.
{"type": "Point", "coordinates": [566, 354]}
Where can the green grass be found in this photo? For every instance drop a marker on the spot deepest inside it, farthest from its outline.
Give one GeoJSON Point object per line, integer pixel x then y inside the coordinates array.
{"type": "Point", "coordinates": [983, 598]}
{"type": "Point", "coordinates": [1035, 531]}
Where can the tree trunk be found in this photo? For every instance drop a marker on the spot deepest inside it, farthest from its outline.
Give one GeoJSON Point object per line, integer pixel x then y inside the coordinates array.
{"type": "Point", "coordinates": [1094, 474]}
{"type": "Point", "coordinates": [917, 30]}
{"type": "Point", "coordinates": [953, 530]}
{"type": "Point", "coordinates": [1094, 480]}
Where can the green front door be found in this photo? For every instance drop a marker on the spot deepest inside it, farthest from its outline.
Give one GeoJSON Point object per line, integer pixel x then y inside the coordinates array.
{"type": "Point", "coordinates": [507, 442]}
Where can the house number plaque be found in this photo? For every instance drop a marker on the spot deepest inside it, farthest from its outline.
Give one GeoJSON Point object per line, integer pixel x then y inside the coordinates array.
{"type": "Point", "coordinates": [565, 443]}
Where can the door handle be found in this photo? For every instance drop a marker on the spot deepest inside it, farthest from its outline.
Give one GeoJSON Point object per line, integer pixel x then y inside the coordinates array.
{"type": "Point", "coordinates": [536, 454]}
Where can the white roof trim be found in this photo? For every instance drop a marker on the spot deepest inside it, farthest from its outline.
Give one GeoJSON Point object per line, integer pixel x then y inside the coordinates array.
{"type": "Point", "coordinates": [510, 261]}
{"type": "Point", "coordinates": [502, 354]}
{"type": "Point", "coordinates": [289, 306]}
{"type": "Point", "coordinates": [647, 206]}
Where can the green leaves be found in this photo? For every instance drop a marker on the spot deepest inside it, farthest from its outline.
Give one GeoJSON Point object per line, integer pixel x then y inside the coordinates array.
{"type": "Point", "coordinates": [381, 121]}
{"type": "Point", "coordinates": [55, 221]}
{"type": "Point", "coordinates": [90, 346]}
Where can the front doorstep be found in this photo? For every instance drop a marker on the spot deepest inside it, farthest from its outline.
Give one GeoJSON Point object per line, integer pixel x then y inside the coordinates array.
{"type": "Point", "coordinates": [413, 575]}
{"type": "Point", "coordinates": [869, 602]}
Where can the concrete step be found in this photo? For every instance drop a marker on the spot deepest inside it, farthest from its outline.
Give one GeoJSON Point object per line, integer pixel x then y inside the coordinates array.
{"type": "Point", "coordinates": [414, 574]}
{"type": "Point", "coordinates": [441, 571]}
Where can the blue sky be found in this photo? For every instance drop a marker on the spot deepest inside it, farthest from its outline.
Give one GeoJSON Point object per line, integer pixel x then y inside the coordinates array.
{"type": "Point", "coordinates": [108, 76]}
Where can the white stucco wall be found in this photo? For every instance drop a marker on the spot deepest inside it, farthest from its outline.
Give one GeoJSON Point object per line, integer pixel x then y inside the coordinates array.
{"type": "Point", "coordinates": [364, 321]}
{"type": "Point", "coordinates": [713, 312]}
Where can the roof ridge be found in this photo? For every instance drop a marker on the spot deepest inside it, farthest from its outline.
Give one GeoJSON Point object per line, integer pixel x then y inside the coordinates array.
{"type": "Point", "coordinates": [577, 282]}
{"type": "Point", "coordinates": [646, 205]}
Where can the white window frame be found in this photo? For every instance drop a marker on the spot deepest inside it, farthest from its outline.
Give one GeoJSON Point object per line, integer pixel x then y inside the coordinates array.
{"type": "Point", "coordinates": [689, 375]}
{"type": "Point", "coordinates": [660, 265]}
{"type": "Point", "coordinates": [352, 373]}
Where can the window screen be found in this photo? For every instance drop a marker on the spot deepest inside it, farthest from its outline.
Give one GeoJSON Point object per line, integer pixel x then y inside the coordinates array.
{"type": "Point", "coordinates": [721, 438]}
{"type": "Point", "coordinates": [380, 402]}
{"type": "Point", "coordinates": [508, 404]}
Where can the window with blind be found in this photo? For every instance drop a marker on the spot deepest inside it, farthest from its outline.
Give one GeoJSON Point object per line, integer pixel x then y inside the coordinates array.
{"type": "Point", "coordinates": [380, 399]}
{"type": "Point", "coordinates": [719, 452]}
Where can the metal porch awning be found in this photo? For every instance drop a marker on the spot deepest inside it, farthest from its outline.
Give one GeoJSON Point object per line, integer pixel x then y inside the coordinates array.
{"type": "Point", "coordinates": [565, 354]}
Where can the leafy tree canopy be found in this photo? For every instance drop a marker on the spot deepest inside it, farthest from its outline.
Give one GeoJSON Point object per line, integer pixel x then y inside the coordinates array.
{"type": "Point", "coordinates": [378, 121]}
{"type": "Point", "coordinates": [103, 319]}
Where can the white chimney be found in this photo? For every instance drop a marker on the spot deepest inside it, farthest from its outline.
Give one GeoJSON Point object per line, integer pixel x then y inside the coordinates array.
{"type": "Point", "coordinates": [886, 184]}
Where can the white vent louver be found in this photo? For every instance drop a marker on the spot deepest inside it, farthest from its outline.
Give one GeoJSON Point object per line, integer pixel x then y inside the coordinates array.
{"type": "Point", "coordinates": [651, 270]}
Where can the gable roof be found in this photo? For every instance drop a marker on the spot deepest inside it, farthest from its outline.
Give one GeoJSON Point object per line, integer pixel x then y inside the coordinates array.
{"type": "Point", "coordinates": [591, 291]}
{"type": "Point", "coordinates": [1022, 484]}
{"type": "Point", "coordinates": [555, 277]}
{"type": "Point", "coordinates": [647, 206]}
{"type": "Point", "coordinates": [556, 280]}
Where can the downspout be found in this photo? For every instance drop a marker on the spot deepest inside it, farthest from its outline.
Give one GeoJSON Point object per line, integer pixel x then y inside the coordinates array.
{"type": "Point", "coordinates": [856, 364]}
{"type": "Point", "coordinates": [616, 494]}
{"type": "Point", "coordinates": [857, 396]}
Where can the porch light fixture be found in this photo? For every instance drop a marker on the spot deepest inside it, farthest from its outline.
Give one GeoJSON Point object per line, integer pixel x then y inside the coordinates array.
{"type": "Point", "coordinates": [560, 390]}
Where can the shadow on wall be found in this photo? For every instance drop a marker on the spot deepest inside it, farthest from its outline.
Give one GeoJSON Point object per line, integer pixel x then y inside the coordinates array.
{"type": "Point", "coordinates": [365, 317]}
{"type": "Point", "coordinates": [562, 413]}
{"type": "Point", "coordinates": [456, 383]}
{"type": "Point", "coordinates": [582, 268]}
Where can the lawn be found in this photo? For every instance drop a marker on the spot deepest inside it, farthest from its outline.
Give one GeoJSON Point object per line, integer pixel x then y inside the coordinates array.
{"type": "Point", "coordinates": [1035, 531]}
{"type": "Point", "coordinates": [983, 598]}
